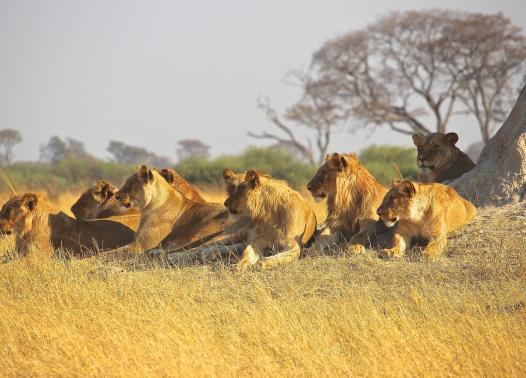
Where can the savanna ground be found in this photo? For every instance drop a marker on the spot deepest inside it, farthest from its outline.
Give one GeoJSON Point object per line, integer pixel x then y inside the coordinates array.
{"type": "Point", "coordinates": [324, 315]}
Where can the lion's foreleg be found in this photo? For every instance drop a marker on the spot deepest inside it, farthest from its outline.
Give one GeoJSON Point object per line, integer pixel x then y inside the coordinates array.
{"type": "Point", "coordinates": [291, 254]}
{"type": "Point", "coordinates": [220, 252]}
{"type": "Point", "coordinates": [437, 242]}
{"type": "Point", "coordinates": [250, 256]}
{"type": "Point", "coordinates": [398, 247]}
{"type": "Point", "coordinates": [364, 237]}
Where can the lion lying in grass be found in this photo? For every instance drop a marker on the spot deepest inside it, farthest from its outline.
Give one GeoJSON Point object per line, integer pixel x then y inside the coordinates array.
{"type": "Point", "coordinates": [99, 202]}
{"type": "Point", "coordinates": [428, 211]}
{"type": "Point", "coordinates": [353, 195]}
{"type": "Point", "coordinates": [40, 228]}
{"type": "Point", "coordinates": [233, 240]}
{"type": "Point", "coordinates": [280, 220]}
{"type": "Point", "coordinates": [169, 220]}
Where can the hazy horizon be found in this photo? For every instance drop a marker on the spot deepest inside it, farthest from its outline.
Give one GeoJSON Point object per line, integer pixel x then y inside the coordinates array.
{"type": "Point", "coordinates": [152, 73]}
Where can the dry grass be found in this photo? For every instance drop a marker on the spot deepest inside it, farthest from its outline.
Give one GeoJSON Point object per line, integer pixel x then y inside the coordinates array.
{"type": "Point", "coordinates": [344, 315]}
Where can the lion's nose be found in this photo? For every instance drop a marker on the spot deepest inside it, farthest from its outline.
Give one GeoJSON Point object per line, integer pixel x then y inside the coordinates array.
{"type": "Point", "coordinates": [421, 158]}
{"type": "Point", "coordinates": [379, 211]}
{"type": "Point", "coordinates": [309, 186]}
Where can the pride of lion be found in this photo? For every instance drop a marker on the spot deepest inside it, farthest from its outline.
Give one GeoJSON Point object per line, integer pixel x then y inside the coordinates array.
{"type": "Point", "coordinates": [160, 216]}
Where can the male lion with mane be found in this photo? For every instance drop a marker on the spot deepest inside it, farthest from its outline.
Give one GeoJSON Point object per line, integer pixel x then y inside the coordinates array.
{"type": "Point", "coordinates": [423, 211]}
{"type": "Point", "coordinates": [353, 195]}
{"type": "Point", "coordinates": [280, 220]}
{"type": "Point", "coordinates": [438, 159]}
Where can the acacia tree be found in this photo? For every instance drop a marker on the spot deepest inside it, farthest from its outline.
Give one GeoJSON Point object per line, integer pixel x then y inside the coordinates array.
{"type": "Point", "coordinates": [9, 138]}
{"type": "Point", "coordinates": [56, 150]}
{"type": "Point", "coordinates": [191, 149]}
{"type": "Point", "coordinates": [488, 55]}
{"type": "Point", "coordinates": [318, 110]}
{"type": "Point", "coordinates": [409, 67]}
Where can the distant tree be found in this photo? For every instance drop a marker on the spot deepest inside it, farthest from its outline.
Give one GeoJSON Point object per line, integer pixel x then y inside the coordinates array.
{"type": "Point", "coordinates": [409, 66]}
{"type": "Point", "coordinates": [56, 149]}
{"type": "Point", "coordinates": [192, 148]}
{"type": "Point", "coordinates": [123, 153]}
{"type": "Point", "coordinates": [318, 110]}
{"type": "Point", "coordinates": [9, 138]}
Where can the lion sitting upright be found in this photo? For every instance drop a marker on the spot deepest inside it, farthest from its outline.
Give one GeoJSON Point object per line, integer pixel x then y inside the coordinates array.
{"type": "Point", "coordinates": [353, 195]}
{"type": "Point", "coordinates": [280, 220]}
{"type": "Point", "coordinates": [423, 211]}
{"type": "Point", "coordinates": [438, 159]}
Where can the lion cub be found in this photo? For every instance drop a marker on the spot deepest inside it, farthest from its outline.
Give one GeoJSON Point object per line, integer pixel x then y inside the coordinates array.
{"type": "Point", "coordinates": [280, 218]}
{"type": "Point", "coordinates": [428, 211]}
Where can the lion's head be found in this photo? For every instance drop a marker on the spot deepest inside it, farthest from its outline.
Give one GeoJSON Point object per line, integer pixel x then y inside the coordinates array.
{"type": "Point", "coordinates": [180, 184]}
{"type": "Point", "coordinates": [435, 150]}
{"type": "Point", "coordinates": [397, 203]}
{"type": "Point", "coordinates": [17, 214]}
{"type": "Point", "coordinates": [134, 190]}
{"type": "Point", "coordinates": [323, 184]}
{"type": "Point", "coordinates": [94, 202]}
{"type": "Point", "coordinates": [236, 203]}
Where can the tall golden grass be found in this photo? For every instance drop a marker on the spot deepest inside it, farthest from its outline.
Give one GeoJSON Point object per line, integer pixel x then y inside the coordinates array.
{"type": "Point", "coordinates": [324, 315]}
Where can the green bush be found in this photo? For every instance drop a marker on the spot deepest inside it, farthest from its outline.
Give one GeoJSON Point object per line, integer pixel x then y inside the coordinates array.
{"type": "Point", "coordinates": [277, 163]}
{"type": "Point", "coordinates": [387, 162]}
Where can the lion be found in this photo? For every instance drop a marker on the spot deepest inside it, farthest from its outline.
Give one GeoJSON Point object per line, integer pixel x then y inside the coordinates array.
{"type": "Point", "coordinates": [181, 185]}
{"type": "Point", "coordinates": [39, 227]}
{"type": "Point", "coordinates": [352, 195]}
{"type": "Point", "coordinates": [280, 220]}
{"type": "Point", "coordinates": [169, 220]}
{"type": "Point", "coordinates": [423, 211]}
{"type": "Point", "coordinates": [229, 243]}
{"type": "Point", "coordinates": [99, 202]}
{"type": "Point", "coordinates": [438, 159]}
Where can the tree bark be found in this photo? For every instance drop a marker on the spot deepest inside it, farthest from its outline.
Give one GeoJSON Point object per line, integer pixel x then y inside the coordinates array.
{"type": "Point", "coordinates": [500, 175]}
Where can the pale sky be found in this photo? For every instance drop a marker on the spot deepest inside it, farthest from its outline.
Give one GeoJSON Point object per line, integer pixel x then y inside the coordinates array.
{"type": "Point", "coordinates": [150, 73]}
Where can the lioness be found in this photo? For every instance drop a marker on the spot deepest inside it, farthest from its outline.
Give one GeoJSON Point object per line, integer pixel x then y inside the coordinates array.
{"type": "Point", "coordinates": [353, 195]}
{"type": "Point", "coordinates": [427, 211]}
{"type": "Point", "coordinates": [181, 185]}
{"type": "Point", "coordinates": [168, 219]}
{"type": "Point", "coordinates": [280, 220]}
{"type": "Point", "coordinates": [439, 159]}
{"type": "Point", "coordinates": [99, 201]}
{"type": "Point", "coordinates": [39, 226]}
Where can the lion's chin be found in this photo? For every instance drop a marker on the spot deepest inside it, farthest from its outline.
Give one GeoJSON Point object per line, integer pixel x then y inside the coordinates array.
{"type": "Point", "coordinates": [390, 222]}
{"type": "Point", "coordinates": [427, 169]}
{"type": "Point", "coordinates": [319, 197]}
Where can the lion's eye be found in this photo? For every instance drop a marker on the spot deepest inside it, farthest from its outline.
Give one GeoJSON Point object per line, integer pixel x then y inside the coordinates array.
{"type": "Point", "coordinates": [435, 148]}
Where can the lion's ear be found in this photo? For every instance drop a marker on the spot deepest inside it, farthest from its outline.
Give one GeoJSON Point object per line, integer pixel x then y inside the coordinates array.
{"type": "Point", "coordinates": [417, 139]}
{"type": "Point", "coordinates": [167, 175]}
{"type": "Point", "coordinates": [145, 173]}
{"type": "Point", "coordinates": [252, 178]}
{"type": "Point", "coordinates": [30, 201]}
{"type": "Point", "coordinates": [228, 175]}
{"type": "Point", "coordinates": [407, 188]}
{"type": "Point", "coordinates": [336, 161]}
{"type": "Point", "coordinates": [328, 157]}
{"type": "Point", "coordinates": [451, 138]}
{"type": "Point", "coordinates": [395, 182]}
{"type": "Point", "coordinates": [343, 161]}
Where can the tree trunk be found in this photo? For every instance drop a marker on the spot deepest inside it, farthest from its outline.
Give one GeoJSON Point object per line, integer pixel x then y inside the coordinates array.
{"type": "Point", "coordinates": [500, 175]}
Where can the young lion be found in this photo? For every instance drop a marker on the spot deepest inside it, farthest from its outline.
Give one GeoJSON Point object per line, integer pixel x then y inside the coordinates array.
{"type": "Point", "coordinates": [38, 226]}
{"type": "Point", "coordinates": [279, 220]}
{"type": "Point", "coordinates": [439, 159]}
{"type": "Point", "coordinates": [427, 211]}
{"type": "Point", "coordinates": [168, 219]}
{"type": "Point", "coordinates": [353, 195]}
{"type": "Point", "coordinates": [230, 242]}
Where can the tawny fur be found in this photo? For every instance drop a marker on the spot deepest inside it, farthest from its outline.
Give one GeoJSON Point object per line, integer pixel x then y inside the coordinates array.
{"type": "Point", "coordinates": [280, 220]}
{"type": "Point", "coordinates": [438, 159]}
{"type": "Point", "coordinates": [42, 229]}
{"type": "Point", "coordinates": [423, 211]}
{"type": "Point", "coordinates": [181, 185]}
{"type": "Point", "coordinates": [352, 194]}
{"type": "Point", "coordinates": [168, 219]}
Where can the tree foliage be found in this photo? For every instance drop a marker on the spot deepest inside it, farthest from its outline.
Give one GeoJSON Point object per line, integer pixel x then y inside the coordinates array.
{"type": "Point", "coordinates": [9, 138]}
